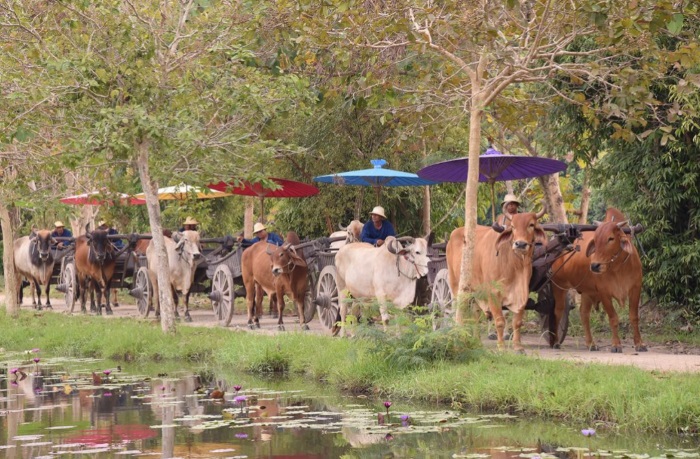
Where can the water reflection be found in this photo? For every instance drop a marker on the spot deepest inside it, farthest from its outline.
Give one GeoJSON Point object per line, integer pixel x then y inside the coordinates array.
{"type": "Point", "coordinates": [108, 414]}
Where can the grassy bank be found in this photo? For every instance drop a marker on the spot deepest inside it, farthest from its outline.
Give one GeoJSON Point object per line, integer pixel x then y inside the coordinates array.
{"type": "Point", "coordinates": [617, 396]}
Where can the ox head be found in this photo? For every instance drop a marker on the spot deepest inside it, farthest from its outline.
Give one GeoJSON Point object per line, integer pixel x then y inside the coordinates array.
{"type": "Point", "coordinates": [523, 232]}
{"type": "Point", "coordinates": [415, 252]}
{"type": "Point", "coordinates": [353, 231]}
{"type": "Point", "coordinates": [608, 244]}
{"type": "Point", "coordinates": [101, 247]}
{"type": "Point", "coordinates": [41, 242]}
{"type": "Point", "coordinates": [284, 259]}
{"type": "Point", "coordinates": [187, 246]}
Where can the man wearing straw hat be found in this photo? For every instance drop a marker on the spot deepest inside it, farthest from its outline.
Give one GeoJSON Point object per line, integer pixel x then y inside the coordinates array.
{"type": "Point", "coordinates": [61, 231]}
{"type": "Point", "coordinates": [261, 234]}
{"type": "Point", "coordinates": [189, 225]}
{"type": "Point", "coordinates": [510, 205]}
{"type": "Point", "coordinates": [378, 228]}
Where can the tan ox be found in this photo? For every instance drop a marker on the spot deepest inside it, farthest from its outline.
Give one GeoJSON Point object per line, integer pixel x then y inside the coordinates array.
{"type": "Point", "coordinates": [387, 273]}
{"type": "Point", "coordinates": [277, 271]}
{"type": "Point", "coordinates": [608, 267]}
{"type": "Point", "coordinates": [184, 254]}
{"type": "Point", "coordinates": [351, 234]}
{"type": "Point", "coordinates": [509, 265]}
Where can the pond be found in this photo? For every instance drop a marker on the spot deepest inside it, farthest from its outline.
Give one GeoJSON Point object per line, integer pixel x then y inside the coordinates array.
{"type": "Point", "coordinates": [91, 408]}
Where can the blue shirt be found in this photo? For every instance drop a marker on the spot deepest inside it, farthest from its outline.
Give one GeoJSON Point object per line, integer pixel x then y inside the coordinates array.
{"type": "Point", "coordinates": [371, 234]}
{"type": "Point", "coordinates": [272, 238]}
{"type": "Point", "coordinates": [117, 243]}
{"type": "Point", "coordinates": [66, 233]}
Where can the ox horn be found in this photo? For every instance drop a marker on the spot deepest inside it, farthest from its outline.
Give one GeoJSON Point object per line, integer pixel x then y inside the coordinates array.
{"type": "Point", "coordinates": [391, 247]}
{"type": "Point", "coordinates": [342, 228]}
{"type": "Point", "coordinates": [621, 224]}
{"type": "Point", "coordinates": [497, 228]}
{"type": "Point", "coordinates": [540, 214]}
{"type": "Point", "coordinates": [597, 223]}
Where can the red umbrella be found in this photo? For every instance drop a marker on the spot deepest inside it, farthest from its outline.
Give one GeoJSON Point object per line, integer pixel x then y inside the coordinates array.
{"type": "Point", "coordinates": [128, 432]}
{"type": "Point", "coordinates": [285, 189]}
{"type": "Point", "coordinates": [98, 198]}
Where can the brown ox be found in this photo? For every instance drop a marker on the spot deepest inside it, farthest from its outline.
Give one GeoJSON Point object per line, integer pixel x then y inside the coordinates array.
{"type": "Point", "coordinates": [277, 271]}
{"type": "Point", "coordinates": [34, 260]}
{"type": "Point", "coordinates": [608, 267]}
{"type": "Point", "coordinates": [94, 263]}
{"type": "Point", "coordinates": [495, 262]}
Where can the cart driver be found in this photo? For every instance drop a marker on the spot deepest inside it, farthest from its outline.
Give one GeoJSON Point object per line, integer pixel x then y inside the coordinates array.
{"type": "Point", "coordinates": [61, 231]}
{"type": "Point", "coordinates": [107, 226]}
{"type": "Point", "coordinates": [261, 234]}
{"type": "Point", "coordinates": [510, 205]}
{"type": "Point", "coordinates": [189, 225]}
{"type": "Point", "coordinates": [378, 228]}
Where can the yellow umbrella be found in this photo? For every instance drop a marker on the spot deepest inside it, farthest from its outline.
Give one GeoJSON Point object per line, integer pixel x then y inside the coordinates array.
{"type": "Point", "coordinates": [182, 192]}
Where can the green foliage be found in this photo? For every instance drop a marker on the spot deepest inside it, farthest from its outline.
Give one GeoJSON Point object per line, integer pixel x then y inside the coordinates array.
{"type": "Point", "coordinates": [417, 344]}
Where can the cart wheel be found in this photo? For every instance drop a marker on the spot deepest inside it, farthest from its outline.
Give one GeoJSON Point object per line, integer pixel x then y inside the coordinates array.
{"type": "Point", "coordinates": [441, 301]}
{"type": "Point", "coordinates": [327, 297]}
{"type": "Point", "coordinates": [70, 282]}
{"type": "Point", "coordinates": [547, 319]}
{"type": "Point", "coordinates": [142, 291]}
{"type": "Point", "coordinates": [223, 295]}
{"type": "Point", "coordinates": [309, 307]}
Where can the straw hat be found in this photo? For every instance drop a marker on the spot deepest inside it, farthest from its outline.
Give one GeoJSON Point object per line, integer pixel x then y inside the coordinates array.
{"type": "Point", "coordinates": [379, 210]}
{"type": "Point", "coordinates": [102, 223]}
{"type": "Point", "coordinates": [510, 198]}
{"type": "Point", "coordinates": [58, 224]}
{"type": "Point", "coordinates": [258, 227]}
{"type": "Point", "coordinates": [191, 221]}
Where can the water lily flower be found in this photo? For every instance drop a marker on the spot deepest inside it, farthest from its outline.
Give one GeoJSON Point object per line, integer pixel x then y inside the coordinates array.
{"type": "Point", "coordinates": [107, 394]}
{"type": "Point", "coordinates": [107, 372]}
{"type": "Point", "coordinates": [36, 359]}
{"type": "Point", "coordinates": [387, 405]}
{"type": "Point", "coordinates": [588, 432]}
{"type": "Point", "coordinates": [388, 437]}
{"type": "Point", "coordinates": [237, 388]}
{"type": "Point", "coordinates": [35, 350]}
{"type": "Point", "coordinates": [240, 398]}
{"type": "Point", "coordinates": [241, 435]}
{"type": "Point", "coordinates": [14, 371]}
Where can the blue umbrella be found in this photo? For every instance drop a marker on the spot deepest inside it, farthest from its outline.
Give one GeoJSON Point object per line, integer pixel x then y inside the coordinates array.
{"type": "Point", "coordinates": [494, 167]}
{"type": "Point", "coordinates": [376, 177]}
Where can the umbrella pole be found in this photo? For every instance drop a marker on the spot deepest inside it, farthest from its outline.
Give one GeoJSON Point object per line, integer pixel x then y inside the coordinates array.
{"type": "Point", "coordinates": [262, 210]}
{"type": "Point", "coordinates": [493, 203]}
{"type": "Point", "coordinates": [377, 192]}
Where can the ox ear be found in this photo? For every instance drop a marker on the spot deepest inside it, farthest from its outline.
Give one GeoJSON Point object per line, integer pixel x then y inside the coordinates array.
{"type": "Point", "coordinates": [626, 244]}
{"type": "Point", "coordinates": [591, 248]}
{"type": "Point", "coordinates": [540, 236]}
{"type": "Point", "coordinates": [176, 236]}
{"type": "Point", "coordinates": [504, 236]}
{"type": "Point", "coordinates": [297, 260]}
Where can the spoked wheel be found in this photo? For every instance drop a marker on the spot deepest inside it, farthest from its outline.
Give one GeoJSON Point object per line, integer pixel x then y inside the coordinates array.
{"type": "Point", "coordinates": [440, 308]}
{"type": "Point", "coordinates": [547, 319]}
{"type": "Point", "coordinates": [327, 298]}
{"type": "Point", "coordinates": [142, 291]}
{"type": "Point", "coordinates": [69, 287]}
{"type": "Point", "coordinates": [222, 294]}
{"type": "Point", "coordinates": [309, 307]}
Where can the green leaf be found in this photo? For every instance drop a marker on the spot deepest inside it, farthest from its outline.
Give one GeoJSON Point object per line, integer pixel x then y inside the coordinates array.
{"type": "Point", "coordinates": [675, 25]}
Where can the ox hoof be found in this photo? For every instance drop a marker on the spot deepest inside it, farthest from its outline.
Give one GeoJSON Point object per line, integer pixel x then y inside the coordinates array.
{"type": "Point", "coordinates": [109, 312]}
{"type": "Point", "coordinates": [252, 327]}
{"type": "Point", "coordinates": [280, 327]}
{"type": "Point", "coordinates": [593, 348]}
{"type": "Point", "coordinates": [616, 349]}
{"type": "Point", "coordinates": [305, 327]}
{"type": "Point", "coordinates": [48, 306]}
{"type": "Point", "coordinates": [115, 305]}
{"type": "Point", "coordinates": [188, 318]}
{"type": "Point", "coordinates": [556, 346]}
{"type": "Point", "coordinates": [520, 351]}
{"type": "Point", "coordinates": [38, 308]}
{"type": "Point", "coordinates": [641, 348]}
{"type": "Point", "coordinates": [492, 336]}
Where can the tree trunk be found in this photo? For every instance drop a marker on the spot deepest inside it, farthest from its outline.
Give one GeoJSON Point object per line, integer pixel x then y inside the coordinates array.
{"type": "Point", "coordinates": [552, 191]}
{"type": "Point", "coordinates": [150, 189]}
{"type": "Point", "coordinates": [248, 217]}
{"type": "Point", "coordinates": [9, 222]}
{"type": "Point", "coordinates": [426, 210]}
{"type": "Point", "coordinates": [585, 198]}
{"type": "Point", "coordinates": [471, 193]}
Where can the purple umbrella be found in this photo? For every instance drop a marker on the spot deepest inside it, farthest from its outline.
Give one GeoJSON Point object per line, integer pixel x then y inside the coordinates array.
{"type": "Point", "coordinates": [494, 167]}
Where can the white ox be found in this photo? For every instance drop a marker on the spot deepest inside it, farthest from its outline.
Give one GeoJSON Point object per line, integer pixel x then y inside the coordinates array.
{"type": "Point", "coordinates": [351, 234]}
{"type": "Point", "coordinates": [34, 260]}
{"type": "Point", "coordinates": [388, 273]}
{"type": "Point", "coordinates": [184, 255]}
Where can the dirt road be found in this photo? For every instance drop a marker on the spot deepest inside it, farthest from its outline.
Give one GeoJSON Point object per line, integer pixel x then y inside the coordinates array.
{"type": "Point", "coordinates": [659, 357]}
